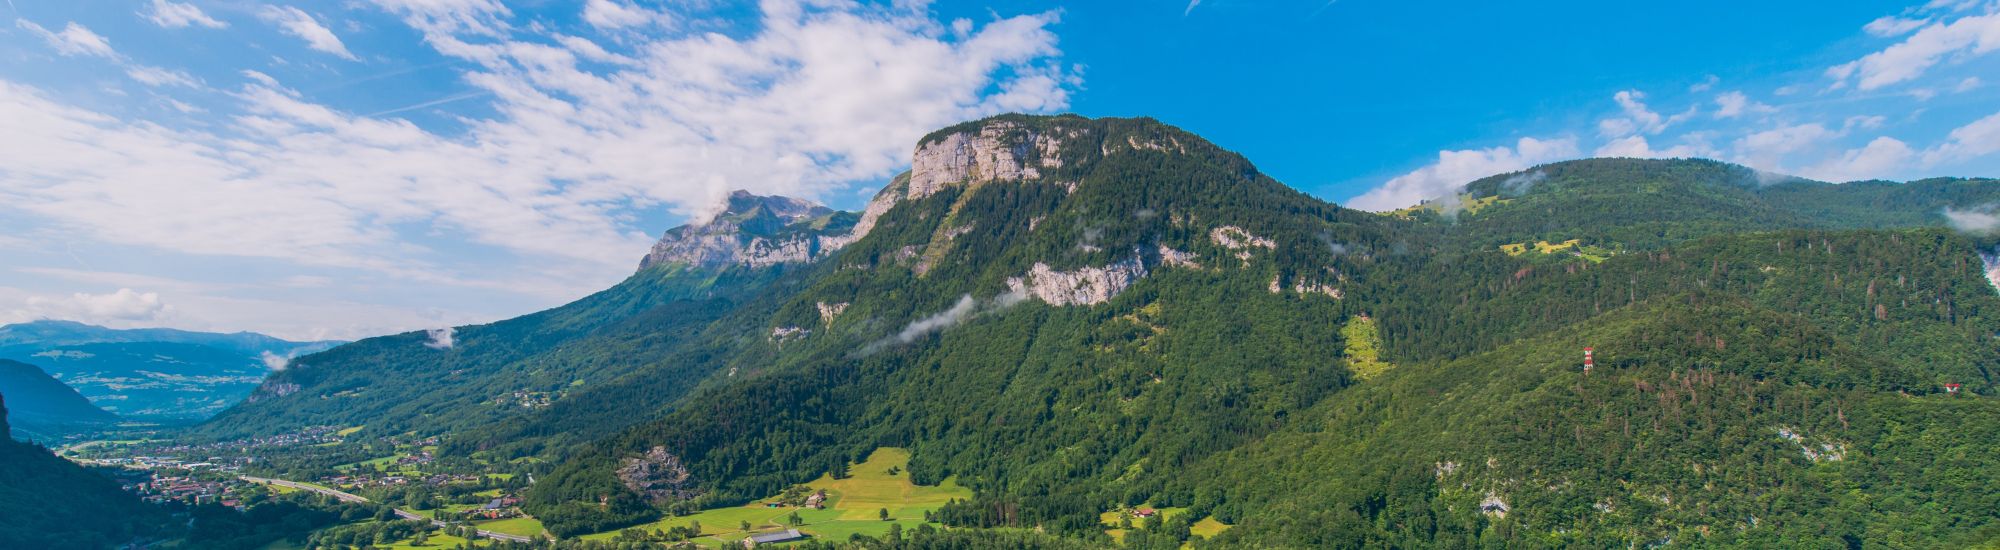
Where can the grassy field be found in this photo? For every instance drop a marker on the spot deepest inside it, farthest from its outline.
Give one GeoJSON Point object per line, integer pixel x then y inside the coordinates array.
{"type": "Point", "coordinates": [344, 432]}
{"type": "Point", "coordinates": [854, 506]}
{"type": "Point", "coordinates": [1206, 528]}
{"type": "Point", "coordinates": [1364, 344]}
{"type": "Point", "coordinates": [372, 464]}
{"type": "Point", "coordinates": [523, 526]}
{"type": "Point", "coordinates": [438, 541]}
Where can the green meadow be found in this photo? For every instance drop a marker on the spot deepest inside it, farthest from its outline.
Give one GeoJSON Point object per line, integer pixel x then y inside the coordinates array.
{"type": "Point", "coordinates": [854, 505]}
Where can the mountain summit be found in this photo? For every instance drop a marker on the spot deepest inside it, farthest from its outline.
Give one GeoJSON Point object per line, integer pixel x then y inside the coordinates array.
{"type": "Point", "coordinates": [754, 230]}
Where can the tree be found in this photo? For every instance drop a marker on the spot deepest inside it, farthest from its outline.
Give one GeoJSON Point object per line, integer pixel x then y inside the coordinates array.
{"type": "Point", "coordinates": [746, 524]}
{"type": "Point", "coordinates": [794, 519]}
{"type": "Point", "coordinates": [884, 513]}
{"type": "Point", "coordinates": [422, 538]}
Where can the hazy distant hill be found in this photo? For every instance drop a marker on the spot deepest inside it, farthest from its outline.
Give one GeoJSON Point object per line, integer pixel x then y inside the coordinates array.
{"type": "Point", "coordinates": [151, 373]}
{"type": "Point", "coordinates": [43, 405]}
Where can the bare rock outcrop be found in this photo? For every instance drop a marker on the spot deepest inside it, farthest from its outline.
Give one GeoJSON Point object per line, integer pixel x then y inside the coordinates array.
{"type": "Point", "coordinates": [1082, 286]}
{"type": "Point", "coordinates": [659, 476]}
{"type": "Point", "coordinates": [1000, 151]}
{"type": "Point", "coordinates": [1176, 258]}
{"type": "Point", "coordinates": [827, 312]}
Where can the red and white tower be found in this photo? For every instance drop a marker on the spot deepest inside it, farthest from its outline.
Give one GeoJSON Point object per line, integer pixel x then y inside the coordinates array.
{"type": "Point", "coordinates": [1951, 388]}
{"type": "Point", "coordinates": [1587, 362]}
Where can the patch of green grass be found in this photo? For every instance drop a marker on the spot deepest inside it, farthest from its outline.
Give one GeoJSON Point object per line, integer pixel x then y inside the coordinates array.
{"type": "Point", "coordinates": [1364, 344]}
{"type": "Point", "coordinates": [854, 505]}
{"type": "Point", "coordinates": [1112, 520]}
{"type": "Point", "coordinates": [373, 463]}
{"type": "Point", "coordinates": [344, 432]}
{"type": "Point", "coordinates": [523, 526]}
{"type": "Point", "coordinates": [438, 541]}
{"type": "Point", "coordinates": [1208, 527]}
{"type": "Point", "coordinates": [870, 487]}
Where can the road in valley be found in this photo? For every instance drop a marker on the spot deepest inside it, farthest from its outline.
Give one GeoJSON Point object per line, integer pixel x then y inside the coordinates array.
{"type": "Point", "coordinates": [344, 496]}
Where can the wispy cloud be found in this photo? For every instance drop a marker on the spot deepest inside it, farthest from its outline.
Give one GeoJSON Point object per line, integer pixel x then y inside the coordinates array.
{"type": "Point", "coordinates": [176, 15]}
{"type": "Point", "coordinates": [73, 40]}
{"type": "Point", "coordinates": [298, 23]}
{"type": "Point", "coordinates": [1453, 169]}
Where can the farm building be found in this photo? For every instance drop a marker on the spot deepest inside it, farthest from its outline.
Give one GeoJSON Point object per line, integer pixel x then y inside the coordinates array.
{"type": "Point", "coordinates": [787, 535]}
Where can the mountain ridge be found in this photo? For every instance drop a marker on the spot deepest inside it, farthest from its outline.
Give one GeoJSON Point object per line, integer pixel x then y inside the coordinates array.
{"type": "Point", "coordinates": [1071, 316]}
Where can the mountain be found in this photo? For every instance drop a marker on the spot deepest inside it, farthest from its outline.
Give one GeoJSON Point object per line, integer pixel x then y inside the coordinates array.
{"type": "Point", "coordinates": [151, 373]}
{"type": "Point", "coordinates": [50, 333]}
{"type": "Point", "coordinates": [1073, 316]}
{"type": "Point", "coordinates": [490, 375]}
{"type": "Point", "coordinates": [52, 503]}
{"type": "Point", "coordinates": [43, 404]}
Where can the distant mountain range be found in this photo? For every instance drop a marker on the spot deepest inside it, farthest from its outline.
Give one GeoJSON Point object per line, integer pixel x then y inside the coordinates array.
{"type": "Point", "coordinates": [1075, 316]}
{"type": "Point", "coordinates": [151, 373]}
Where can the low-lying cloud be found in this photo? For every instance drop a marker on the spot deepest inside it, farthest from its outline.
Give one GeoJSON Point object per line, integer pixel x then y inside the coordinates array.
{"type": "Point", "coordinates": [964, 309]}
{"type": "Point", "coordinates": [440, 338]}
{"type": "Point", "coordinates": [1979, 219]}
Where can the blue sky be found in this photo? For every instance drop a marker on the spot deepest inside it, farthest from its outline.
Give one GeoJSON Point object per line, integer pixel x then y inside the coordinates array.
{"type": "Point", "coordinates": [342, 169]}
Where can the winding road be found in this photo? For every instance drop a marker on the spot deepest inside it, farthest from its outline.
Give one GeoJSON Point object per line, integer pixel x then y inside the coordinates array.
{"type": "Point", "coordinates": [344, 496]}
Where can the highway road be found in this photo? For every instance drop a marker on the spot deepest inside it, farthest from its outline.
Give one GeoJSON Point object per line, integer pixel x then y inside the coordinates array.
{"type": "Point", "coordinates": [344, 496]}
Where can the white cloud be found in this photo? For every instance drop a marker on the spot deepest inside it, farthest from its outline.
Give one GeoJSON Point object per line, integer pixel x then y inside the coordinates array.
{"type": "Point", "coordinates": [1969, 84]}
{"type": "Point", "coordinates": [440, 338]}
{"type": "Point", "coordinates": [1865, 122]}
{"type": "Point", "coordinates": [1638, 117]}
{"type": "Point", "coordinates": [1980, 138]}
{"type": "Point", "coordinates": [615, 14]}
{"type": "Point", "coordinates": [1735, 104]}
{"type": "Point", "coordinates": [1767, 150]}
{"type": "Point", "coordinates": [1454, 169]}
{"type": "Point", "coordinates": [1190, 7]}
{"type": "Point", "coordinates": [1706, 84]}
{"type": "Point", "coordinates": [1891, 26]}
{"type": "Point", "coordinates": [72, 41]}
{"type": "Point", "coordinates": [176, 15]}
{"type": "Point", "coordinates": [1911, 58]}
{"type": "Point", "coordinates": [1882, 158]}
{"type": "Point", "coordinates": [477, 17]}
{"type": "Point", "coordinates": [1976, 220]}
{"type": "Point", "coordinates": [155, 76]}
{"type": "Point", "coordinates": [123, 305]}
{"type": "Point", "coordinates": [1638, 147]}
{"type": "Point", "coordinates": [274, 361]}
{"type": "Point", "coordinates": [939, 321]}
{"type": "Point", "coordinates": [813, 102]}
{"type": "Point", "coordinates": [298, 23]}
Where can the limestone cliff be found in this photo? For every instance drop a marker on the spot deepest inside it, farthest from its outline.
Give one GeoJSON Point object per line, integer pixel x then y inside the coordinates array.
{"type": "Point", "coordinates": [756, 231]}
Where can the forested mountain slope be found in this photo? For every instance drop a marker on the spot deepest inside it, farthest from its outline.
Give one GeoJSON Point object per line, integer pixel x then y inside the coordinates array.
{"type": "Point", "coordinates": [437, 381]}
{"type": "Point", "coordinates": [50, 503]}
{"type": "Point", "coordinates": [1070, 316]}
{"type": "Point", "coordinates": [1082, 336]}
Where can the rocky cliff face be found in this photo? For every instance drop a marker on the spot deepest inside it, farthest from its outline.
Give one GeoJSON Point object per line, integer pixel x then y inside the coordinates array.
{"type": "Point", "coordinates": [1082, 286]}
{"type": "Point", "coordinates": [755, 231]}
{"type": "Point", "coordinates": [1000, 151]}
